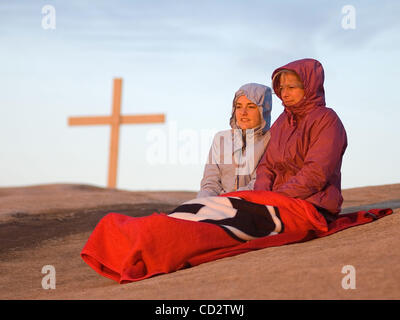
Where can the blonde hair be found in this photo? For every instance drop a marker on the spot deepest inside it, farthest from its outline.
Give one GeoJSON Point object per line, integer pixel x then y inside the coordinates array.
{"type": "Point", "coordinates": [277, 77]}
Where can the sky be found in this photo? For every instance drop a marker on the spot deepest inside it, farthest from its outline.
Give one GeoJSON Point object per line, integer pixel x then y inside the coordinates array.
{"type": "Point", "coordinates": [185, 59]}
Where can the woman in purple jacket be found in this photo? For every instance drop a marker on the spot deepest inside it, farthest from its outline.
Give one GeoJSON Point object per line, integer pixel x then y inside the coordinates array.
{"type": "Point", "coordinates": [304, 156]}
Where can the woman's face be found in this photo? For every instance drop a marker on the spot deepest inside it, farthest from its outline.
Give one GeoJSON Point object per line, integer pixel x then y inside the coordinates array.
{"type": "Point", "coordinates": [246, 113]}
{"type": "Point", "coordinates": [291, 89]}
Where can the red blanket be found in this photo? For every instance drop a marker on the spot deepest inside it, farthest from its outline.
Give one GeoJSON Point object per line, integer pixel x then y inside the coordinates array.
{"type": "Point", "coordinates": [128, 249]}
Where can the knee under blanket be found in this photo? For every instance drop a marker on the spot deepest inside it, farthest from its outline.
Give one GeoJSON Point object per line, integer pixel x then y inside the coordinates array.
{"type": "Point", "coordinates": [128, 249]}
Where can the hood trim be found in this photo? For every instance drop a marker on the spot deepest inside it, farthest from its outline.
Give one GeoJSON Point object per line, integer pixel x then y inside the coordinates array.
{"type": "Point", "coordinates": [260, 95]}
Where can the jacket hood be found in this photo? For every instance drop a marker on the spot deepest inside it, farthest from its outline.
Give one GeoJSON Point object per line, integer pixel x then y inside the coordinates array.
{"type": "Point", "coordinates": [311, 73]}
{"type": "Point", "coordinates": [260, 95]}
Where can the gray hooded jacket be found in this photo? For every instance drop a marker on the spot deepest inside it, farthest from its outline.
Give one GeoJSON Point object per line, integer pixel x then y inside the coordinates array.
{"type": "Point", "coordinates": [235, 153]}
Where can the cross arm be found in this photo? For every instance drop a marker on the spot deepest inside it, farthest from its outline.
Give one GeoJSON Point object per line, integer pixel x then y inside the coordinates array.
{"type": "Point", "coordinates": [143, 118]}
{"type": "Point", "coordinates": [81, 121]}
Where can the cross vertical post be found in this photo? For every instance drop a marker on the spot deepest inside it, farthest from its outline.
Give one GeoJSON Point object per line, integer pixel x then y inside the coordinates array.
{"type": "Point", "coordinates": [114, 141]}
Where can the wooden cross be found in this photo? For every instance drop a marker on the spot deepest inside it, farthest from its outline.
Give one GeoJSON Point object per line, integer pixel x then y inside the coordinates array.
{"type": "Point", "coordinates": [115, 120]}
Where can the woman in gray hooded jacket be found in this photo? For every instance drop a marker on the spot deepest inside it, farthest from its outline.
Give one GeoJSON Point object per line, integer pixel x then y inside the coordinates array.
{"type": "Point", "coordinates": [235, 153]}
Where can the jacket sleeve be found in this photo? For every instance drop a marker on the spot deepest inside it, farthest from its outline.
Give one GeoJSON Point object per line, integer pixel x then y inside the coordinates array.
{"type": "Point", "coordinates": [211, 183]}
{"type": "Point", "coordinates": [253, 176]}
{"type": "Point", "coordinates": [250, 185]}
{"type": "Point", "coordinates": [328, 141]}
{"type": "Point", "coordinates": [264, 177]}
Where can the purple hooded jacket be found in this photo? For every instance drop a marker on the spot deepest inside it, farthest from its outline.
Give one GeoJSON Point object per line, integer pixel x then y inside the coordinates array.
{"type": "Point", "coordinates": [304, 155]}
